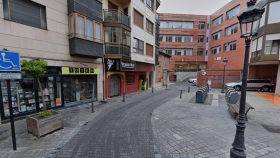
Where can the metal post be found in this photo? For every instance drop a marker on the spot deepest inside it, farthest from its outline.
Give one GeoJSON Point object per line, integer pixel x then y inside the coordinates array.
{"type": "Point", "coordinates": [147, 84]}
{"type": "Point", "coordinates": [152, 89]}
{"type": "Point", "coordinates": [181, 94]}
{"type": "Point", "coordinates": [92, 107]}
{"type": "Point", "coordinates": [238, 150]}
{"type": "Point", "coordinates": [189, 89]}
{"type": "Point", "coordinates": [223, 80]}
{"type": "Point", "coordinates": [166, 85]}
{"type": "Point", "coordinates": [123, 97]}
{"type": "Point", "coordinates": [11, 115]}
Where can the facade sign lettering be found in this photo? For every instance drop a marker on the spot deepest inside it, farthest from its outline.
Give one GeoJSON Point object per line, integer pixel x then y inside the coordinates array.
{"type": "Point", "coordinates": [79, 71]}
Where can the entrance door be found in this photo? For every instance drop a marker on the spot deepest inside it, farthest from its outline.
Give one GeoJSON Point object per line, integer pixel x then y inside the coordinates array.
{"type": "Point", "coordinates": [114, 85]}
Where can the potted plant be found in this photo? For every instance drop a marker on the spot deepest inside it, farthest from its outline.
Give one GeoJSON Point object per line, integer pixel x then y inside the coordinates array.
{"type": "Point", "coordinates": [46, 121]}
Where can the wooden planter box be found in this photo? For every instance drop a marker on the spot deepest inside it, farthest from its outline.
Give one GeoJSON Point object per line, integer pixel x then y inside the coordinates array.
{"type": "Point", "coordinates": [40, 126]}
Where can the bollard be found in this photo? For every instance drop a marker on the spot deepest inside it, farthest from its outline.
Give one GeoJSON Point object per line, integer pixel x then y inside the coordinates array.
{"type": "Point", "coordinates": [123, 97]}
{"type": "Point", "coordinates": [152, 89]}
{"type": "Point", "coordinates": [92, 107]}
{"type": "Point", "coordinates": [189, 89]}
{"type": "Point", "coordinates": [181, 94]}
{"type": "Point", "coordinates": [166, 85]}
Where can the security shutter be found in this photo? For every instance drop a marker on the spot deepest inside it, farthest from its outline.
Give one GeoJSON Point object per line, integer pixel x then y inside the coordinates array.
{"type": "Point", "coordinates": [138, 19]}
{"type": "Point", "coordinates": [28, 13]}
{"type": "Point", "coordinates": [149, 50]}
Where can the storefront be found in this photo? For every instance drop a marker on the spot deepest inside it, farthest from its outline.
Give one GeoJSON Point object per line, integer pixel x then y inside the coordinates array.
{"type": "Point", "coordinates": [123, 76]}
{"type": "Point", "coordinates": [62, 86]}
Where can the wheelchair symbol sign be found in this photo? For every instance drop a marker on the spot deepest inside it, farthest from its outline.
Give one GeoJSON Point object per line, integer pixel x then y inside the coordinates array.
{"type": "Point", "coordinates": [9, 61]}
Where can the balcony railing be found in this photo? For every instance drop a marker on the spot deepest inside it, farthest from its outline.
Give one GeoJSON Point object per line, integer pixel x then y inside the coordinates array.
{"type": "Point", "coordinates": [157, 19]}
{"type": "Point", "coordinates": [117, 49]}
{"type": "Point", "coordinates": [111, 15]}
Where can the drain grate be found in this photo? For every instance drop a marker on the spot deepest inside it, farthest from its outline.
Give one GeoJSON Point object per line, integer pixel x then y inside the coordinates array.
{"type": "Point", "coordinates": [272, 129]}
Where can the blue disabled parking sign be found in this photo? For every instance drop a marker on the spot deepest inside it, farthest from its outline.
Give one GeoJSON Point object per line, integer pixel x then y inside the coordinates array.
{"type": "Point", "coordinates": [9, 61]}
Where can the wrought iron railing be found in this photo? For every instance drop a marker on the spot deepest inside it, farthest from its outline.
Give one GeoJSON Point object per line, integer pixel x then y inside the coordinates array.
{"type": "Point", "coordinates": [112, 15]}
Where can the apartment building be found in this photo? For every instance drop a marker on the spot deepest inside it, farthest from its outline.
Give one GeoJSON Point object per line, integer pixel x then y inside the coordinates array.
{"type": "Point", "coordinates": [199, 43]}
{"type": "Point", "coordinates": [130, 45]}
{"type": "Point", "coordinates": [264, 59]}
{"type": "Point", "coordinates": [66, 34]}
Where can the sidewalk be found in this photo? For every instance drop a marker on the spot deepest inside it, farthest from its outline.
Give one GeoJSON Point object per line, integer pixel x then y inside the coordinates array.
{"type": "Point", "coordinates": [74, 118]}
{"type": "Point", "coordinates": [208, 130]}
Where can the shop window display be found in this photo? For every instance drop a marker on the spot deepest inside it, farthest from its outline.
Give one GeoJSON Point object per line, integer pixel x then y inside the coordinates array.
{"type": "Point", "coordinates": [51, 87]}
{"type": "Point", "coordinates": [22, 95]}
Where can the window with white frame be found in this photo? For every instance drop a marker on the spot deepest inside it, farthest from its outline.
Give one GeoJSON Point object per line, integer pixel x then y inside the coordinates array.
{"type": "Point", "coordinates": [179, 52]}
{"type": "Point", "coordinates": [216, 50]}
{"type": "Point", "coordinates": [200, 52]}
{"type": "Point", "coordinates": [178, 39]}
{"type": "Point", "coordinates": [271, 47]}
{"type": "Point", "coordinates": [168, 39]}
{"type": "Point", "coordinates": [233, 12]}
{"type": "Point", "coordinates": [161, 38]}
{"type": "Point", "coordinates": [230, 46]}
{"type": "Point", "coordinates": [201, 25]}
{"type": "Point", "coordinates": [138, 46]}
{"type": "Point", "coordinates": [188, 52]}
{"type": "Point", "coordinates": [188, 39]}
{"type": "Point", "coordinates": [200, 39]}
{"type": "Point", "coordinates": [218, 21]}
{"type": "Point", "coordinates": [231, 30]}
{"type": "Point", "coordinates": [168, 51]}
{"type": "Point", "coordinates": [217, 36]}
{"type": "Point", "coordinates": [150, 4]}
{"type": "Point", "coordinates": [176, 24]}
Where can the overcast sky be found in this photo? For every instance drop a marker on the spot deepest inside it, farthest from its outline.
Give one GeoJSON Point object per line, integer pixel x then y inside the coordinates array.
{"type": "Point", "coordinates": [201, 7]}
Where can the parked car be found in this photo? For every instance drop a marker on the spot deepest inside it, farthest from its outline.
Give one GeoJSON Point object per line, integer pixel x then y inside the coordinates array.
{"type": "Point", "coordinates": [191, 80]}
{"type": "Point", "coordinates": [194, 82]}
{"type": "Point", "coordinates": [253, 84]}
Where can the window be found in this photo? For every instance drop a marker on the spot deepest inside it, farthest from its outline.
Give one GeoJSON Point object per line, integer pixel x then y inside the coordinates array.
{"type": "Point", "coordinates": [200, 52]}
{"type": "Point", "coordinates": [149, 27]}
{"type": "Point", "coordinates": [168, 38]}
{"type": "Point", "coordinates": [178, 39]}
{"type": "Point", "coordinates": [138, 19]}
{"type": "Point", "coordinates": [161, 38]}
{"type": "Point", "coordinates": [129, 79]}
{"type": "Point", "coordinates": [113, 35]}
{"type": "Point", "coordinates": [233, 12]}
{"type": "Point", "coordinates": [149, 50]}
{"type": "Point", "coordinates": [176, 24]}
{"type": "Point", "coordinates": [138, 46]}
{"type": "Point", "coordinates": [200, 39]}
{"type": "Point", "coordinates": [217, 36]}
{"type": "Point", "coordinates": [272, 47]}
{"type": "Point", "coordinates": [150, 4]}
{"type": "Point", "coordinates": [179, 52]}
{"type": "Point", "coordinates": [230, 46]}
{"type": "Point", "coordinates": [188, 39]}
{"type": "Point", "coordinates": [218, 21]}
{"type": "Point", "coordinates": [188, 52]}
{"type": "Point", "coordinates": [273, 12]}
{"type": "Point", "coordinates": [231, 30]}
{"type": "Point", "coordinates": [169, 51]}
{"type": "Point", "coordinates": [216, 50]}
{"type": "Point", "coordinates": [86, 28]}
{"type": "Point", "coordinates": [201, 25]}
{"type": "Point", "coordinates": [25, 12]}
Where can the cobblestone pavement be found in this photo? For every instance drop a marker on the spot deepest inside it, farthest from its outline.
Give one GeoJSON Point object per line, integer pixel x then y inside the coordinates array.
{"type": "Point", "coordinates": [124, 130]}
{"type": "Point", "coordinates": [74, 119]}
{"type": "Point", "coordinates": [208, 130]}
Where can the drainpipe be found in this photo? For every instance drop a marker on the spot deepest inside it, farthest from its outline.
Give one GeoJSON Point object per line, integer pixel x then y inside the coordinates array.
{"type": "Point", "coordinates": [103, 64]}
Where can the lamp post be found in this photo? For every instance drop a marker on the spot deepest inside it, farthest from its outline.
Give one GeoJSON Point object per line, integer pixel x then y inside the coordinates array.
{"type": "Point", "coordinates": [225, 63]}
{"type": "Point", "coordinates": [249, 22]}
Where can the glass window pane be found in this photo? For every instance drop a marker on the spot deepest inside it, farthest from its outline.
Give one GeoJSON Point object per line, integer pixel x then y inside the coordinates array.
{"type": "Point", "coordinates": [72, 25]}
{"type": "Point", "coordinates": [268, 43]}
{"type": "Point", "coordinates": [274, 50]}
{"type": "Point", "coordinates": [141, 45]}
{"type": "Point", "coordinates": [108, 37]}
{"type": "Point", "coordinates": [267, 50]}
{"type": "Point", "coordinates": [98, 32]}
{"type": "Point", "coordinates": [89, 29]}
{"type": "Point", "coordinates": [81, 26]}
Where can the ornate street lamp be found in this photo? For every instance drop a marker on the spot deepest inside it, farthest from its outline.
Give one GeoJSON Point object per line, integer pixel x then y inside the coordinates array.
{"type": "Point", "coordinates": [249, 22]}
{"type": "Point", "coordinates": [225, 63]}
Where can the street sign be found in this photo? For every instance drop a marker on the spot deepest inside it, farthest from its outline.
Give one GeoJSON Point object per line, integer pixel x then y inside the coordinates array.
{"type": "Point", "coordinates": [10, 76]}
{"type": "Point", "coordinates": [9, 61]}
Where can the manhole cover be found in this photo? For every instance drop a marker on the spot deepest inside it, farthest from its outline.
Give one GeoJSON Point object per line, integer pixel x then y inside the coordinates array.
{"type": "Point", "coordinates": [272, 129]}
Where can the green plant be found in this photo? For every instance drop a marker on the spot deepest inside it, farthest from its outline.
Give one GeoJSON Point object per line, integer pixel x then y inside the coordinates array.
{"type": "Point", "coordinates": [35, 69]}
{"type": "Point", "coordinates": [45, 114]}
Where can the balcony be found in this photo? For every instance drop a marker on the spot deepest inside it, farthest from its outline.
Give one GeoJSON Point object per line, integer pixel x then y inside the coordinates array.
{"type": "Point", "coordinates": [115, 18]}
{"type": "Point", "coordinates": [117, 49]}
{"type": "Point", "coordinates": [157, 3]}
{"type": "Point", "coordinates": [157, 19]}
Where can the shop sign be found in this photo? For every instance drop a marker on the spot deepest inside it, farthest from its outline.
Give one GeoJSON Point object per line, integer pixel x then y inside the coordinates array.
{"type": "Point", "coordinates": [9, 61]}
{"type": "Point", "coordinates": [112, 64]}
{"type": "Point", "coordinates": [128, 65]}
{"type": "Point", "coordinates": [10, 76]}
{"type": "Point", "coordinates": [79, 71]}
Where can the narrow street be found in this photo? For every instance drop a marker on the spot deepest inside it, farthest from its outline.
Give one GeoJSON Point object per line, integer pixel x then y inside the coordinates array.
{"type": "Point", "coordinates": [121, 131]}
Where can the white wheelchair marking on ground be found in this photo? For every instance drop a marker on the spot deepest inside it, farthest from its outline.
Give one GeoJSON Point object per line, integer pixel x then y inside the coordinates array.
{"type": "Point", "coordinates": [7, 61]}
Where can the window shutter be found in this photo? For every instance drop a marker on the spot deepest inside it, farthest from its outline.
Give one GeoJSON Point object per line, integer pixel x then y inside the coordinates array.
{"type": "Point", "coordinates": [149, 50]}
{"type": "Point", "coordinates": [138, 19]}
{"type": "Point", "coordinates": [26, 13]}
